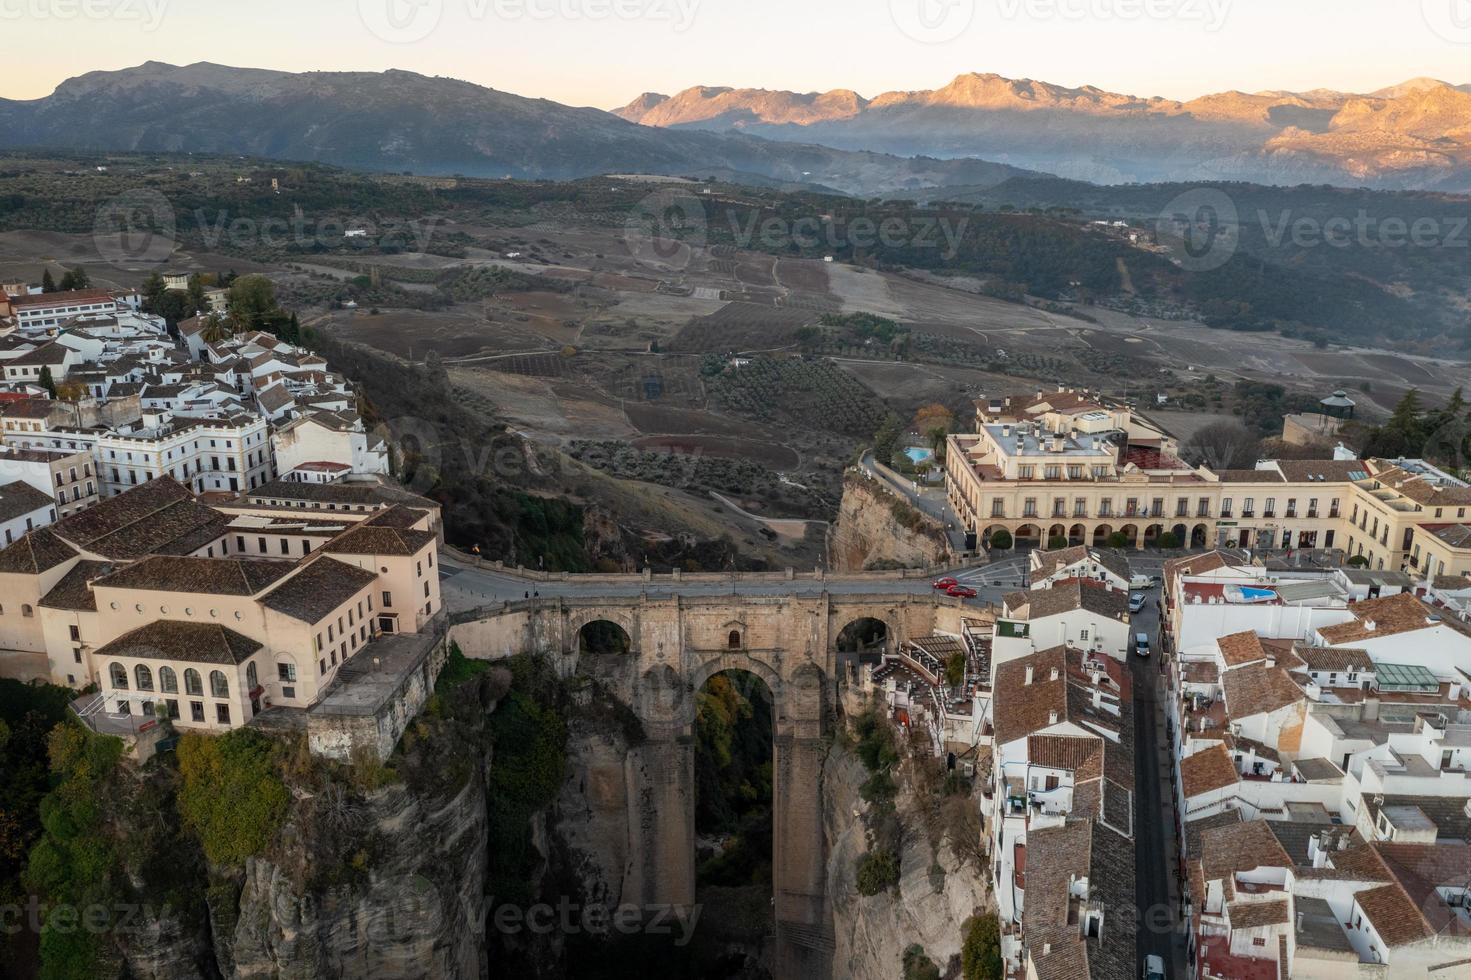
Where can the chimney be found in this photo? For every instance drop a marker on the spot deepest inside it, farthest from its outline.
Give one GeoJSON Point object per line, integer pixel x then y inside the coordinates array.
{"type": "Point", "coordinates": [1029, 674]}
{"type": "Point", "coordinates": [1058, 443]}
{"type": "Point", "coordinates": [1006, 431]}
{"type": "Point", "coordinates": [1052, 717]}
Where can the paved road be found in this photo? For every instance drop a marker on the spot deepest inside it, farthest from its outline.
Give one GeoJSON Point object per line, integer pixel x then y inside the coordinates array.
{"type": "Point", "coordinates": [1154, 816]}
{"type": "Point", "coordinates": [930, 501]}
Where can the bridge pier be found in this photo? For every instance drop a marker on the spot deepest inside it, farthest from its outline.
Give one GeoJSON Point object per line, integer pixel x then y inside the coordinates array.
{"type": "Point", "coordinates": [661, 791]}
{"type": "Point", "coordinates": [804, 933]}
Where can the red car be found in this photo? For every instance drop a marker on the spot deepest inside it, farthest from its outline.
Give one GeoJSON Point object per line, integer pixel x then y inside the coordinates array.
{"type": "Point", "coordinates": [961, 592]}
{"type": "Point", "coordinates": [946, 583]}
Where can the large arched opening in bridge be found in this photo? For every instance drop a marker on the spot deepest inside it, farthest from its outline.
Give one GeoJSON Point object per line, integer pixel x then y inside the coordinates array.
{"type": "Point", "coordinates": [864, 639]}
{"type": "Point", "coordinates": [603, 637]}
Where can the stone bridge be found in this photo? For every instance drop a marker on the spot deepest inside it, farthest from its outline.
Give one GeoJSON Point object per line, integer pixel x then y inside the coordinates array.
{"type": "Point", "coordinates": [674, 645]}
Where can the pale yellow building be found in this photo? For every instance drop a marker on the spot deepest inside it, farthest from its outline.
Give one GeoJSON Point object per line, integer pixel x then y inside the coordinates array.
{"type": "Point", "coordinates": [1064, 465]}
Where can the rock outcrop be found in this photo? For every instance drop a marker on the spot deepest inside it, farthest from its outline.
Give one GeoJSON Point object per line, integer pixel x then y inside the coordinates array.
{"type": "Point", "coordinates": [937, 890]}
{"type": "Point", "coordinates": [875, 529]}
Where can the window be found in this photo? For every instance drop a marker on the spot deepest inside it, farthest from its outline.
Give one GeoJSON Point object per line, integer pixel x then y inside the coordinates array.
{"type": "Point", "coordinates": [251, 680]}
{"type": "Point", "coordinates": [288, 692]}
{"type": "Point", "coordinates": [286, 672]}
{"type": "Point", "coordinates": [192, 684]}
{"type": "Point", "coordinates": [196, 711]}
{"type": "Point", "coordinates": [144, 677]}
{"type": "Point", "coordinates": [387, 598]}
{"type": "Point", "coordinates": [119, 676]}
{"type": "Point", "coordinates": [222, 713]}
{"type": "Point", "coordinates": [998, 509]}
{"type": "Point", "coordinates": [168, 683]}
{"type": "Point", "coordinates": [76, 633]}
{"type": "Point", "coordinates": [173, 708]}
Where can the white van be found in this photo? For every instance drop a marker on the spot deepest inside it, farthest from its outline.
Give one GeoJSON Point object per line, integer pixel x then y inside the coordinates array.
{"type": "Point", "coordinates": [1144, 582]}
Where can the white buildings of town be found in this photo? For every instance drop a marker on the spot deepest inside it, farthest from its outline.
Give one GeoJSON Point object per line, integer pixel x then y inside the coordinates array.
{"type": "Point", "coordinates": [1323, 742]}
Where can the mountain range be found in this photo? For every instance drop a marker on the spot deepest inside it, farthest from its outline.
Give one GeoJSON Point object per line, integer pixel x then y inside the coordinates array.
{"type": "Point", "coordinates": [398, 120]}
{"type": "Point", "coordinates": [1413, 135]}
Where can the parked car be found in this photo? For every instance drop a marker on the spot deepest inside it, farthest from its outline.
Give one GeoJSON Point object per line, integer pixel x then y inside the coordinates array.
{"type": "Point", "coordinates": [1141, 644]}
{"type": "Point", "coordinates": [1154, 968]}
{"type": "Point", "coordinates": [961, 592]}
{"type": "Point", "coordinates": [1144, 581]}
{"type": "Point", "coordinates": [946, 583]}
{"type": "Point", "coordinates": [1136, 602]}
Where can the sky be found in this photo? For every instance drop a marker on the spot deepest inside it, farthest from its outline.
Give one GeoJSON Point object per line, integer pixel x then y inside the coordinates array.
{"type": "Point", "coordinates": [605, 52]}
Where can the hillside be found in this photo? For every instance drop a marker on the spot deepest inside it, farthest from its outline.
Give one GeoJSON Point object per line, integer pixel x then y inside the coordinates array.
{"type": "Point", "coordinates": [402, 121]}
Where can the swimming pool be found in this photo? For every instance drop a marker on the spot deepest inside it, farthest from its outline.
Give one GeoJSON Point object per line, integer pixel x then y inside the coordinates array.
{"type": "Point", "coordinates": [918, 455]}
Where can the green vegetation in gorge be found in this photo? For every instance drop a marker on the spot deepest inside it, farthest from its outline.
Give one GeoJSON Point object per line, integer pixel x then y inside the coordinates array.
{"type": "Point", "coordinates": [733, 794]}
{"type": "Point", "coordinates": [231, 795]}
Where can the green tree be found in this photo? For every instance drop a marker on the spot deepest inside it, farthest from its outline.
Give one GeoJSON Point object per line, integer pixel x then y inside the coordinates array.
{"type": "Point", "coordinates": [1169, 540]}
{"type": "Point", "coordinates": [252, 302]}
{"type": "Point", "coordinates": [955, 669]}
{"type": "Point", "coordinates": [75, 279]}
{"type": "Point", "coordinates": [1001, 540]}
{"type": "Point", "coordinates": [47, 382]}
{"type": "Point", "coordinates": [153, 292]}
{"type": "Point", "coordinates": [886, 439]}
{"type": "Point", "coordinates": [980, 949]}
{"type": "Point", "coordinates": [48, 284]}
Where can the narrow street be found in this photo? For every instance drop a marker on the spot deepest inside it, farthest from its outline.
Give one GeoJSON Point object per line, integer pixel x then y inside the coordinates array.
{"type": "Point", "coordinates": [1156, 889]}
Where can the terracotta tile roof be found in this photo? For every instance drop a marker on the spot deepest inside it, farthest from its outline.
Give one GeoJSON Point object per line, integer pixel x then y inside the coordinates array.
{"type": "Point", "coordinates": [1069, 597]}
{"type": "Point", "coordinates": [1239, 649]}
{"type": "Point", "coordinates": [1417, 488]}
{"type": "Point", "coordinates": [74, 591]}
{"type": "Point", "coordinates": [1257, 915]}
{"type": "Point", "coordinates": [37, 552]}
{"type": "Point", "coordinates": [1056, 858]}
{"type": "Point", "coordinates": [1201, 564]}
{"type": "Point", "coordinates": [32, 408]}
{"type": "Point", "coordinates": [1207, 770]}
{"type": "Point", "coordinates": [1421, 869]}
{"type": "Point", "coordinates": [204, 576]}
{"type": "Point", "coordinates": [1258, 688]}
{"type": "Point", "coordinates": [19, 498]}
{"type": "Point", "coordinates": [148, 519]}
{"type": "Point", "coordinates": [1081, 756]}
{"type": "Point", "coordinates": [1022, 709]}
{"type": "Point", "coordinates": [1249, 476]}
{"type": "Point", "coordinates": [1393, 915]}
{"type": "Point", "coordinates": [318, 589]}
{"type": "Point", "coordinates": [370, 539]}
{"type": "Point", "coordinates": [1236, 848]}
{"type": "Point", "coordinates": [61, 298]}
{"type": "Point", "coordinates": [1334, 659]}
{"type": "Point", "coordinates": [201, 643]}
{"type": "Point", "coordinates": [1391, 615]}
{"type": "Point", "coordinates": [1320, 470]}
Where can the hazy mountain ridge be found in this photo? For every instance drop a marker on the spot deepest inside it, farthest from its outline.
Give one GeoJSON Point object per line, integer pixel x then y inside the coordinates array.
{"type": "Point", "coordinates": [1413, 135]}
{"type": "Point", "coordinates": [400, 120]}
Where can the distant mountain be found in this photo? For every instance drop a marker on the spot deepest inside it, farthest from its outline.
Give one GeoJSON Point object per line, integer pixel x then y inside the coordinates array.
{"type": "Point", "coordinates": [399, 120]}
{"type": "Point", "coordinates": [1416, 135]}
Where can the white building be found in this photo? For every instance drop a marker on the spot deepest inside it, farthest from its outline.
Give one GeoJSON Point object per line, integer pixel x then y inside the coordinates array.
{"type": "Point", "coordinates": [336, 442]}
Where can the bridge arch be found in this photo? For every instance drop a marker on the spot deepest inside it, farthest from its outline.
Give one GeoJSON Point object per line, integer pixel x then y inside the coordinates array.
{"type": "Point", "coordinates": [864, 634]}
{"type": "Point", "coordinates": [602, 635]}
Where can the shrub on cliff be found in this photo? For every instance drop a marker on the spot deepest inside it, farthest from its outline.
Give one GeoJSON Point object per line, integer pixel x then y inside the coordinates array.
{"type": "Point", "coordinates": [878, 871]}
{"type": "Point", "coordinates": [980, 949]}
{"type": "Point", "coordinates": [231, 796]}
{"type": "Point", "coordinates": [75, 865]}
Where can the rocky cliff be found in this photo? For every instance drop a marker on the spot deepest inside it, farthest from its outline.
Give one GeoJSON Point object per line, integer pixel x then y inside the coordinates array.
{"type": "Point", "coordinates": [878, 530]}
{"type": "Point", "coordinates": [938, 889]}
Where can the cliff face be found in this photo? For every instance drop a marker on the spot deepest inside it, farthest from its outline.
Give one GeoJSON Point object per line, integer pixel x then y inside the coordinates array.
{"type": "Point", "coordinates": [415, 910]}
{"type": "Point", "coordinates": [871, 532]}
{"type": "Point", "coordinates": [937, 891]}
